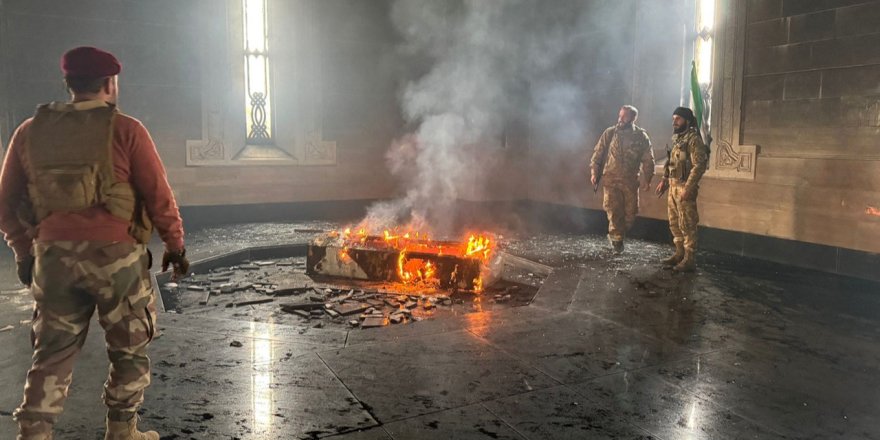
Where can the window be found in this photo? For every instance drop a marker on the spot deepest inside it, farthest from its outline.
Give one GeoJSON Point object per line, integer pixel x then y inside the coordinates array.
{"type": "Point", "coordinates": [258, 101]}
{"type": "Point", "coordinates": [703, 45]}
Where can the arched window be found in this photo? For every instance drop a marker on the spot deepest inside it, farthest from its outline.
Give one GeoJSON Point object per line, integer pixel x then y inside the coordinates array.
{"type": "Point", "coordinates": [258, 97]}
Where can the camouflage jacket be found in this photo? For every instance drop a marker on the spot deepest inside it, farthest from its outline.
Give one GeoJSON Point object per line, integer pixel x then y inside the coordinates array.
{"type": "Point", "coordinates": [688, 158]}
{"type": "Point", "coordinates": [625, 152]}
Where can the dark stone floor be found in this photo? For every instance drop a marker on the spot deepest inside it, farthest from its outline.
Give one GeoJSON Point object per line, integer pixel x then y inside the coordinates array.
{"type": "Point", "coordinates": [611, 347]}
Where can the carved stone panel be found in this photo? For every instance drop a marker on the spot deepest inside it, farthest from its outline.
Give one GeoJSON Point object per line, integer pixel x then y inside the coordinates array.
{"type": "Point", "coordinates": [729, 158]}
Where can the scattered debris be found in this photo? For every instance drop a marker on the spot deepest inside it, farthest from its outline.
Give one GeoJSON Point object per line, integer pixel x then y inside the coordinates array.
{"type": "Point", "coordinates": [235, 344]}
{"type": "Point", "coordinates": [302, 313]}
{"type": "Point", "coordinates": [291, 308]}
{"type": "Point", "coordinates": [289, 290]}
{"type": "Point", "coordinates": [252, 282]}
{"type": "Point", "coordinates": [251, 302]}
{"type": "Point", "coordinates": [373, 321]}
{"type": "Point", "coordinates": [347, 309]}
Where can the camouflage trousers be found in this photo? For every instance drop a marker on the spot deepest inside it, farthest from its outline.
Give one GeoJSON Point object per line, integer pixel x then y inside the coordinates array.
{"type": "Point", "coordinates": [683, 216]}
{"type": "Point", "coordinates": [621, 203]}
{"type": "Point", "coordinates": [72, 279]}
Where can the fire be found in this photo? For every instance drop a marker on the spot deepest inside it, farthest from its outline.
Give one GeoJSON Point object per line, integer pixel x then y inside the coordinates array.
{"type": "Point", "coordinates": [478, 244]}
{"type": "Point", "coordinates": [416, 270]}
{"type": "Point", "coordinates": [343, 254]}
{"type": "Point", "coordinates": [478, 284]}
{"type": "Point", "coordinates": [416, 250]}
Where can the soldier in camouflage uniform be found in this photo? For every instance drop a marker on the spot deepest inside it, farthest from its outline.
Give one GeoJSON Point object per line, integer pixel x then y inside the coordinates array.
{"type": "Point", "coordinates": [685, 166]}
{"type": "Point", "coordinates": [621, 152]}
{"type": "Point", "coordinates": [80, 189]}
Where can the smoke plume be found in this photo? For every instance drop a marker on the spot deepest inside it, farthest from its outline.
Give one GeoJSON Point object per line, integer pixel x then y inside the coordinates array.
{"type": "Point", "coordinates": [487, 62]}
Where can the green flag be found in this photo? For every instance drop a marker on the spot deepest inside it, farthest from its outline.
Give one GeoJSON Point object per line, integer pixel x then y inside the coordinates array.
{"type": "Point", "coordinates": [696, 95]}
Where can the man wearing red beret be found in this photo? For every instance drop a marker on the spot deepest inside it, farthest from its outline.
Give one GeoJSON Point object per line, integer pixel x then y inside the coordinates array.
{"type": "Point", "coordinates": [81, 188]}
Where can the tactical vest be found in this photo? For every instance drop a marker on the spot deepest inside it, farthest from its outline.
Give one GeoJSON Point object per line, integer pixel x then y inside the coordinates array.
{"type": "Point", "coordinates": [69, 154]}
{"type": "Point", "coordinates": [679, 162]}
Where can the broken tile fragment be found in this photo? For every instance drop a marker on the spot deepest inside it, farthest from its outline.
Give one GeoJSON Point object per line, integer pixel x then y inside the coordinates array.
{"type": "Point", "coordinates": [347, 309]}
{"type": "Point", "coordinates": [301, 313]}
{"type": "Point", "coordinates": [286, 290]}
{"type": "Point", "coordinates": [373, 321]}
{"type": "Point", "coordinates": [253, 301]}
{"type": "Point", "coordinates": [290, 308]}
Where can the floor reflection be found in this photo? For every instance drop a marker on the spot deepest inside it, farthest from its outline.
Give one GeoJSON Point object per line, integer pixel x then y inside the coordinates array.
{"type": "Point", "coordinates": [261, 377]}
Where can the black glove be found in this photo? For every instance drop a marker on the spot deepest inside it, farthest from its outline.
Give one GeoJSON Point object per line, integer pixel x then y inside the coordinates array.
{"type": "Point", "coordinates": [25, 270]}
{"type": "Point", "coordinates": [178, 261]}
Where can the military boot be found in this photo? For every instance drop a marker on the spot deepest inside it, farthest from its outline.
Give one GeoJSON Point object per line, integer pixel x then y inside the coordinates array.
{"type": "Point", "coordinates": [34, 430]}
{"type": "Point", "coordinates": [687, 264]}
{"type": "Point", "coordinates": [127, 430]}
{"type": "Point", "coordinates": [677, 256]}
{"type": "Point", "coordinates": [616, 245]}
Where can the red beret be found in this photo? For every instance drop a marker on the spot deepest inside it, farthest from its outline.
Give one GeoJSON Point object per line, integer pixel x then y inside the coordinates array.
{"type": "Point", "coordinates": [89, 62]}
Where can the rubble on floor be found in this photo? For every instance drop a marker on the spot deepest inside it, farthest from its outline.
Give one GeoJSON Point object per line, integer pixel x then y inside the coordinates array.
{"type": "Point", "coordinates": [280, 291]}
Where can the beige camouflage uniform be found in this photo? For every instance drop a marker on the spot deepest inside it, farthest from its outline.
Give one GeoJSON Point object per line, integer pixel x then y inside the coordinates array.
{"type": "Point", "coordinates": [628, 151]}
{"type": "Point", "coordinates": [71, 280]}
{"type": "Point", "coordinates": [688, 160]}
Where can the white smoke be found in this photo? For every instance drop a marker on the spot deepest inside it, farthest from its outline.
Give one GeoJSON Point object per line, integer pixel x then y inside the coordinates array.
{"type": "Point", "coordinates": [490, 62]}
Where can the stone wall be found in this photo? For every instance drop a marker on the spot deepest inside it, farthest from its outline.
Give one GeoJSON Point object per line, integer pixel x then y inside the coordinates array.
{"type": "Point", "coordinates": [810, 102]}
{"type": "Point", "coordinates": [163, 46]}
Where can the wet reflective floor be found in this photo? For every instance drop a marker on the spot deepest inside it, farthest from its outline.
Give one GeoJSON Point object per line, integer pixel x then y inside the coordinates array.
{"type": "Point", "coordinates": [613, 346]}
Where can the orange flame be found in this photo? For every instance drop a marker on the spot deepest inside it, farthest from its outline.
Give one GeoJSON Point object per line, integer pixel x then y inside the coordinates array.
{"type": "Point", "coordinates": [406, 240]}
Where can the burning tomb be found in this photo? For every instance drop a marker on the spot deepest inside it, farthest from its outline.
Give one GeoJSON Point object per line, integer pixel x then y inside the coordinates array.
{"type": "Point", "coordinates": [408, 258]}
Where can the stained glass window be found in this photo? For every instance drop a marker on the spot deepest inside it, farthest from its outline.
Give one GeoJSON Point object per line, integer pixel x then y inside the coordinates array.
{"type": "Point", "coordinates": [704, 43]}
{"type": "Point", "coordinates": [258, 98]}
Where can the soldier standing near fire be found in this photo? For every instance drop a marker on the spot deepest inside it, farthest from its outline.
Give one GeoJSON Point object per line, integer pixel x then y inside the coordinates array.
{"type": "Point", "coordinates": [621, 152]}
{"type": "Point", "coordinates": [80, 188]}
{"type": "Point", "coordinates": [686, 162]}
